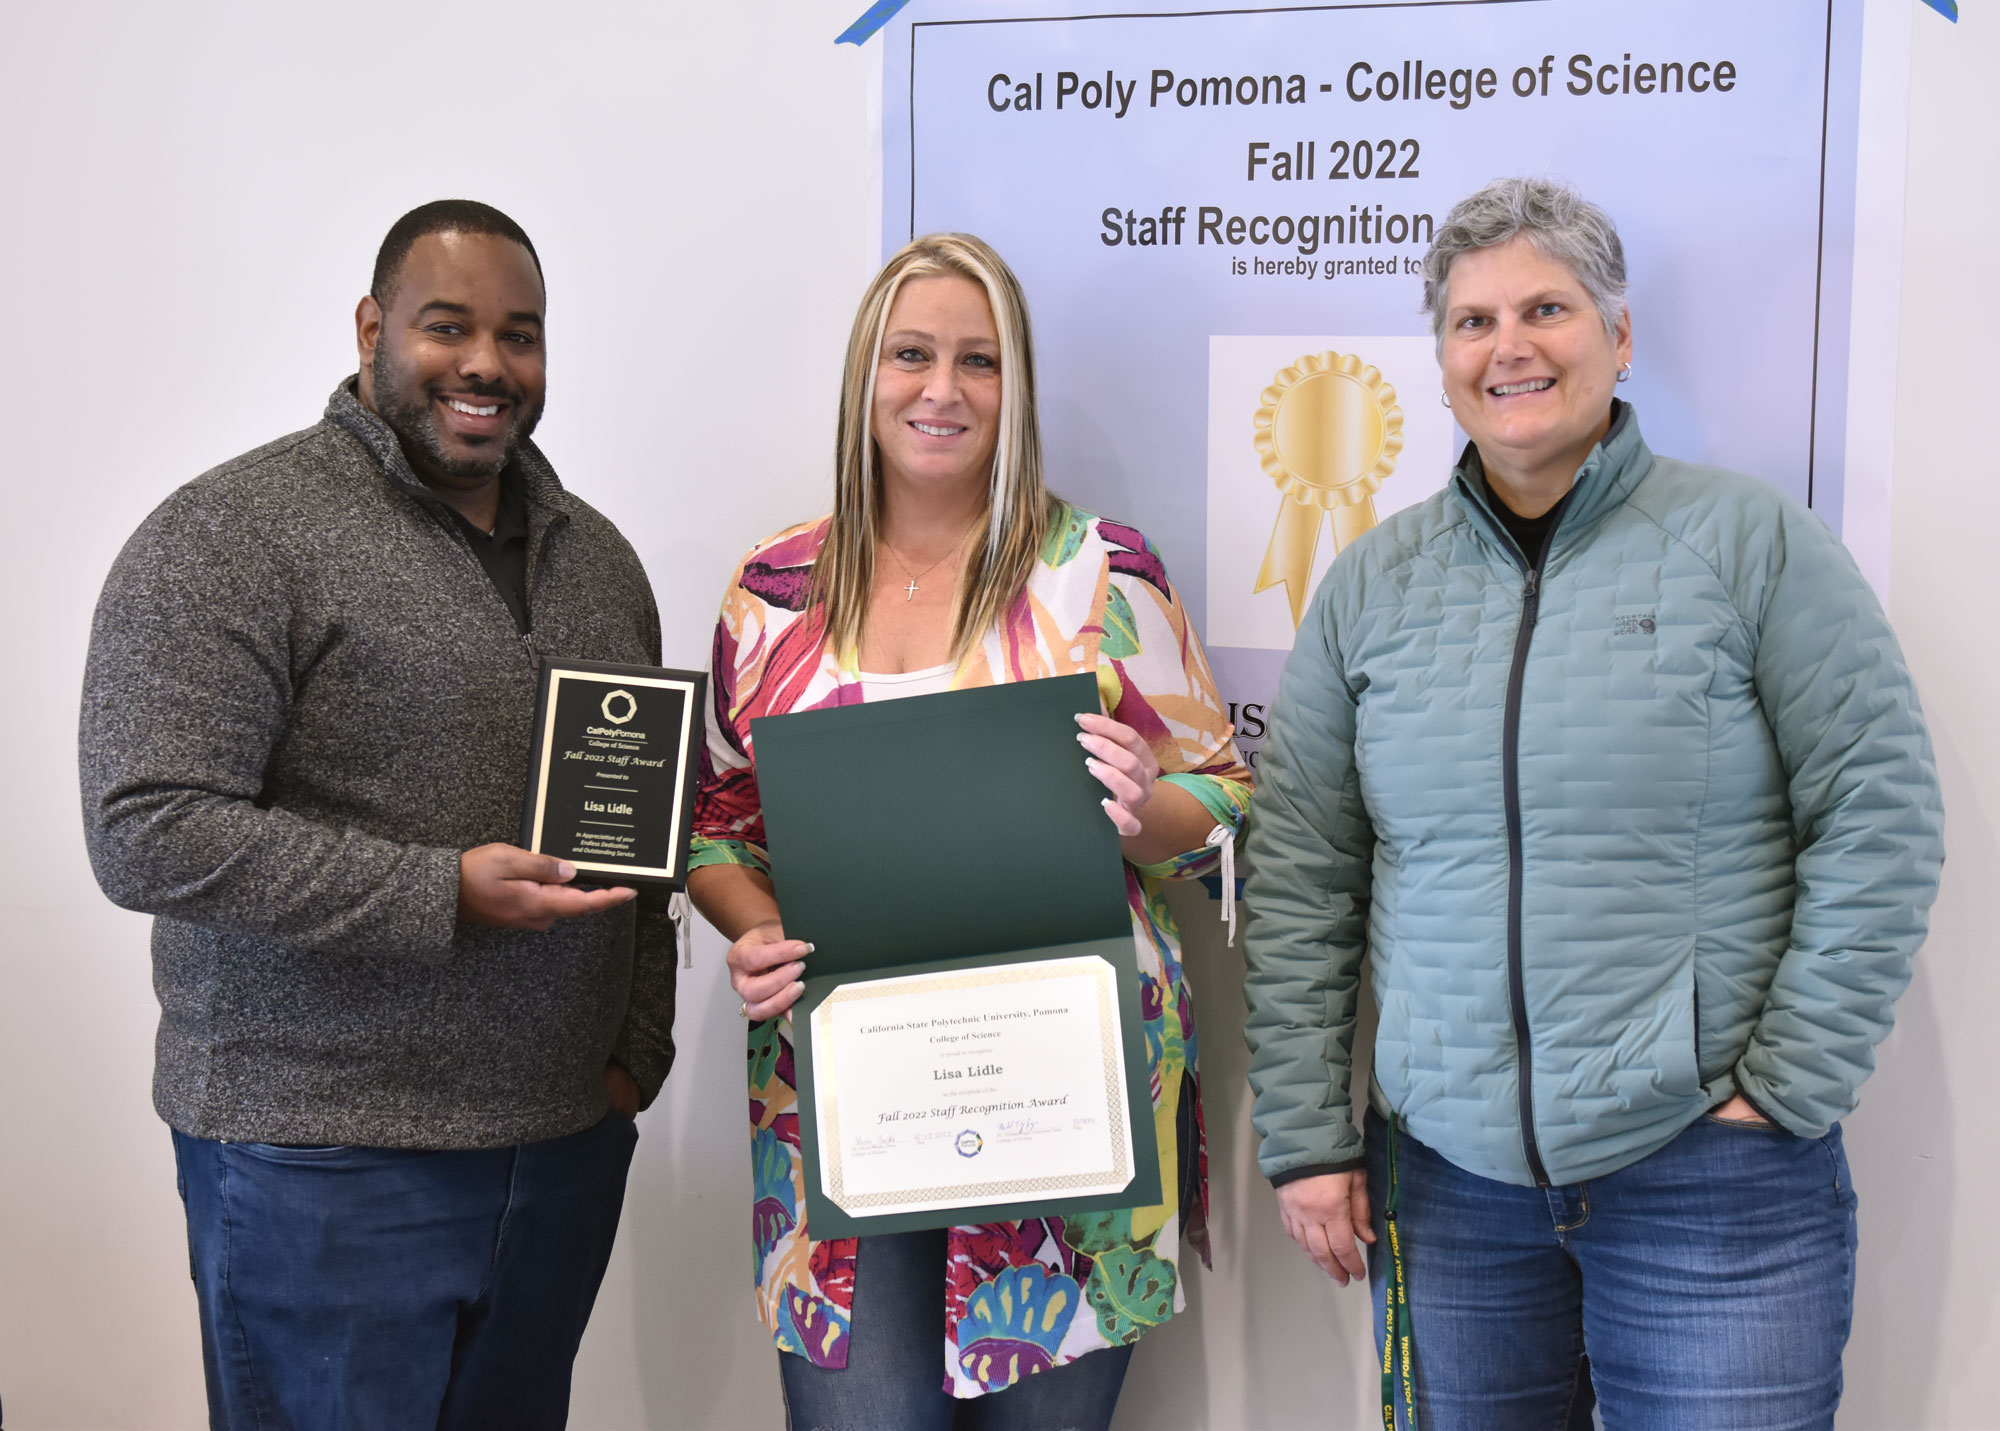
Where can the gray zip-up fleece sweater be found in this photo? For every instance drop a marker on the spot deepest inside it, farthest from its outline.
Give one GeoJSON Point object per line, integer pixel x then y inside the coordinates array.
{"type": "Point", "coordinates": [304, 700]}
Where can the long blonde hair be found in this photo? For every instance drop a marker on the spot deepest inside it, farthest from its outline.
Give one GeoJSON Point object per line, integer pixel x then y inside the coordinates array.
{"type": "Point", "coordinates": [1003, 558]}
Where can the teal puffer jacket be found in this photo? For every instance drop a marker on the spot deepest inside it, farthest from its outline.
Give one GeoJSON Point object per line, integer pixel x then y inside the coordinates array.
{"type": "Point", "coordinates": [1653, 826]}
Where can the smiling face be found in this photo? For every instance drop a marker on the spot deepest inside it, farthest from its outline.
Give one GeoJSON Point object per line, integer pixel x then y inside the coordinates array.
{"type": "Point", "coordinates": [936, 413]}
{"type": "Point", "coordinates": [455, 363]}
{"type": "Point", "coordinates": [1528, 367]}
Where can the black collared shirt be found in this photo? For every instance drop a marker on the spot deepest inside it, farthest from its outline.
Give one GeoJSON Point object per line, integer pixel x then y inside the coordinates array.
{"type": "Point", "coordinates": [504, 550]}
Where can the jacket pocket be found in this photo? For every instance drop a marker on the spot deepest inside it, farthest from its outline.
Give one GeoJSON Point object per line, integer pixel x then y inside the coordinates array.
{"type": "Point", "coordinates": [1744, 1125]}
{"type": "Point", "coordinates": [1680, 1044]}
{"type": "Point", "coordinates": [1654, 1060]}
{"type": "Point", "coordinates": [1392, 1048]}
{"type": "Point", "coordinates": [1696, 1001]}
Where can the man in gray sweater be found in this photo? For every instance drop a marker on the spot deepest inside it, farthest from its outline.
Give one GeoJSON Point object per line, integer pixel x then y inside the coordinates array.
{"type": "Point", "coordinates": [400, 1057]}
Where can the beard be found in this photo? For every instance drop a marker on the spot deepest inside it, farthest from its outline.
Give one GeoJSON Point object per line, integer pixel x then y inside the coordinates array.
{"type": "Point", "coordinates": [409, 408]}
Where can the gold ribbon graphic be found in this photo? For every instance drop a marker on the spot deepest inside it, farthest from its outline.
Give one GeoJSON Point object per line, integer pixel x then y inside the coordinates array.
{"type": "Point", "coordinates": [1328, 433]}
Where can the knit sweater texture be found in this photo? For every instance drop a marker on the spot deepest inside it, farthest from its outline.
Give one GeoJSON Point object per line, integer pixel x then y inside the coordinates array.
{"type": "Point", "coordinates": [304, 700]}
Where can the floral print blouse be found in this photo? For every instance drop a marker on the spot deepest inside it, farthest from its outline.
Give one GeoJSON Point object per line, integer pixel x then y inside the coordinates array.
{"type": "Point", "coordinates": [1020, 1297]}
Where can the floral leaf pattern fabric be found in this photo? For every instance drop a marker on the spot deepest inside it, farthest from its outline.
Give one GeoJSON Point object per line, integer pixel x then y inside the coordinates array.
{"type": "Point", "coordinates": [774, 1207]}
{"type": "Point", "coordinates": [1121, 630]}
{"type": "Point", "coordinates": [1020, 1297]}
{"type": "Point", "coordinates": [813, 1327]}
{"type": "Point", "coordinates": [1015, 1323]}
{"type": "Point", "coordinates": [1066, 538]}
{"type": "Point", "coordinates": [1095, 1232]}
{"type": "Point", "coordinates": [1131, 1289]}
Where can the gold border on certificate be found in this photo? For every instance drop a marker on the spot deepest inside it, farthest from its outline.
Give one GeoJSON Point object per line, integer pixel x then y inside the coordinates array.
{"type": "Point", "coordinates": [1111, 1059]}
{"type": "Point", "coordinates": [690, 719]}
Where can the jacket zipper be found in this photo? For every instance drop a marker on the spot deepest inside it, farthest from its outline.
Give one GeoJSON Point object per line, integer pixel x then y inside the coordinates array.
{"type": "Point", "coordinates": [1697, 1035]}
{"type": "Point", "coordinates": [1510, 741]}
{"type": "Point", "coordinates": [464, 545]}
{"type": "Point", "coordinates": [538, 559]}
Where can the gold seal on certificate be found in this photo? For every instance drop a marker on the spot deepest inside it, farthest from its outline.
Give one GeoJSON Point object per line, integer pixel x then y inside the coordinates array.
{"type": "Point", "coordinates": [1327, 433]}
{"type": "Point", "coordinates": [994, 1084]}
{"type": "Point", "coordinates": [611, 780]}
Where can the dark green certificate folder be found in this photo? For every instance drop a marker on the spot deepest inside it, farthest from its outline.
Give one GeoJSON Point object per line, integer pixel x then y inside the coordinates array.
{"type": "Point", "coordinates": [948, 831]}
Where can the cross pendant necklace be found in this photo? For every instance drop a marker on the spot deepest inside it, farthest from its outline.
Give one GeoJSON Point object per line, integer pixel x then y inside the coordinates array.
{"type": "Point", "coordinates": [910, 591]}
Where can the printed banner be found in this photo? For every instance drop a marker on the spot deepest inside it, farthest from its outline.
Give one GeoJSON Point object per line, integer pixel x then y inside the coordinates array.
{"type": "Point", "coordinates": [1218, 216]}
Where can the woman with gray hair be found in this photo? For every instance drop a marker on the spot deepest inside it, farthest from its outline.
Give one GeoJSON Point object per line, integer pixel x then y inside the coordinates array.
{"type": "Point", "coordinates": [1610, 766]}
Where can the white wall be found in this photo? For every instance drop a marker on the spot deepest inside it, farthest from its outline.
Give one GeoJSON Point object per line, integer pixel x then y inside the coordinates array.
{"type": "Point", "coordinates": [192, 196]}
{"type": "Point", "coordinates": [1926, 1345]}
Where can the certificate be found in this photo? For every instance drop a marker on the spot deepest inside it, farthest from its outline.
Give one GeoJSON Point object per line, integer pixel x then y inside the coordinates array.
{"type": "Point", "coordinates": [611, 777]}
{"type": "Point", "coordinates": [970, 1046]}
{"type": "Point", "coordinates": [992, 1084]}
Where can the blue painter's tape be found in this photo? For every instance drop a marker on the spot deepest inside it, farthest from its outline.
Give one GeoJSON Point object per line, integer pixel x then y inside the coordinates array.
{"type": "Point", "coordinates": [1946, 8]}
{"type": "Point", "coordinates": [873, 19]}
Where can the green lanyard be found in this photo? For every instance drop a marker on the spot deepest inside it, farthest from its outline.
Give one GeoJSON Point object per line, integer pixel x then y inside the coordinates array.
{"type": "Point", "coordinates": [1396, 1350]}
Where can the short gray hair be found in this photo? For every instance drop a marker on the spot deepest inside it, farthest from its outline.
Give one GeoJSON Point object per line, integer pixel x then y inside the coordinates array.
{"type": "Point", "coordinates": [1564, 225]}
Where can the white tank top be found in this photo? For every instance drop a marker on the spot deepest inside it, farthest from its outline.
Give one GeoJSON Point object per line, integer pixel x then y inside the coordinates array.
{"type": "Point", "coordinates": [886, 686]}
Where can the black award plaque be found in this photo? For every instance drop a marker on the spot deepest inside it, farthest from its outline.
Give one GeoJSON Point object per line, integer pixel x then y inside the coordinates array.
{"type": "Point", "coordinates": [612, 778]}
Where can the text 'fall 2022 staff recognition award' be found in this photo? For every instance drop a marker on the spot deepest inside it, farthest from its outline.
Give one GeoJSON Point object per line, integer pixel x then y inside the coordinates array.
{"type": "Point", "coordinates": [969, 1046]}
{"type": "Point", "coordinates": [611, 780]}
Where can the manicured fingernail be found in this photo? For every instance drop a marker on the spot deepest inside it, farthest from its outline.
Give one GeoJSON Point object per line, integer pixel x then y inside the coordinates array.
{"type": "Point", "coordinates": [1083, 738]}
{"type": "Point", "coordinates": [565, 869]}
{"type": "Point", "coordinates": [811, 948]}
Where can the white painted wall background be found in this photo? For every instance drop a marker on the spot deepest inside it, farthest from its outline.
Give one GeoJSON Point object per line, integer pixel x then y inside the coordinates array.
{"type": "Point", "coordinates": [190, 197]}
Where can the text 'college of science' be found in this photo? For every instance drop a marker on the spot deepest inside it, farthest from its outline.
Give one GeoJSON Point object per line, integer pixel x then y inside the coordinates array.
{"type": "Point", "coordinates": [1582, 76]}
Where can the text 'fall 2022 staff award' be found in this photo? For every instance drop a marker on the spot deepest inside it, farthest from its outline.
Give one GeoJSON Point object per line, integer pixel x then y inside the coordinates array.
{"type": "Point", "coordinates": [969, 1045]}
{"type": "Point", "coordinates": [612, 777]}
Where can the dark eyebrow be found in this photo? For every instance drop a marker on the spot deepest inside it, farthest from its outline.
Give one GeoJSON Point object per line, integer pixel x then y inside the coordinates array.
{"type": "Point", "coordinates": [461, 310]}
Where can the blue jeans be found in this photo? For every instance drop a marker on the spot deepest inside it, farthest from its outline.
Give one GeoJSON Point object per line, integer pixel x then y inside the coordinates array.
{"type": "Point", "coordinates": [1711, 1286]}
{"type": "Point", "coordinates": [372, 1287]}
{"type": "Point", "coordinates": [894, 1377]}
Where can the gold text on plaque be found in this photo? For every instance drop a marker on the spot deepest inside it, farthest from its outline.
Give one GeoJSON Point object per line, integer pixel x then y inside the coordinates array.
{"type": "Point", "coordinates": [1328, 432]}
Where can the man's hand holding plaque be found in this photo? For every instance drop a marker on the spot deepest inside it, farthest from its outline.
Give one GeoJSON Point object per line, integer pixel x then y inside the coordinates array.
{"type": "Point", "coordinates": [505, 887]}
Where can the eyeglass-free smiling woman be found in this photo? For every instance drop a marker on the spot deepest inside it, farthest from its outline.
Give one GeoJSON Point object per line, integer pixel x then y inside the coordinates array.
{"type": "Point", "coordinates": [1610, 768]}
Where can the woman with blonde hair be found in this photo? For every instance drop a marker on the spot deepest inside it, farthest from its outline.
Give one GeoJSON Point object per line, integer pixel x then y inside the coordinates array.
{"type": "Point", "coordinates": [947, 564]}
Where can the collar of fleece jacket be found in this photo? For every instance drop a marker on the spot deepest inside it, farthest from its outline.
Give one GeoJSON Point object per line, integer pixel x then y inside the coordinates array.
{"type": "Point", "coordinates": [539, 483]}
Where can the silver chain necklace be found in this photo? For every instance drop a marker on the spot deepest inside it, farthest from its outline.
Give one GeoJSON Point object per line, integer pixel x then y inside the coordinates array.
{"type": "Point", "coordinates": [910, 591]}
